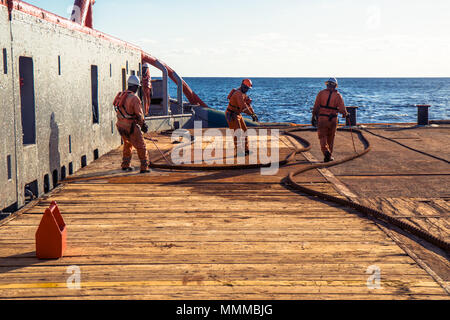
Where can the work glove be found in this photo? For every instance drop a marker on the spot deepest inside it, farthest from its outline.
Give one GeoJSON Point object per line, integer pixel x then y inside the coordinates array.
{"type": "Point", "coordinates": [144, 128]}
{"type": "Point", "coordinates": [314, 121]}
{"type": "Point", "coordinates": [255, 118]}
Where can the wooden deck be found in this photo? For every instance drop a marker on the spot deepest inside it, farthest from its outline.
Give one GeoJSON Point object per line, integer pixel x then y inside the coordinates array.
{"type": "Point", "coordinates": [206, 235]}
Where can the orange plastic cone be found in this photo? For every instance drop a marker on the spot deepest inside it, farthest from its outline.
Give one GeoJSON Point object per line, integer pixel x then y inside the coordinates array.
{"type": "Point", "coordinates": [51, 236]}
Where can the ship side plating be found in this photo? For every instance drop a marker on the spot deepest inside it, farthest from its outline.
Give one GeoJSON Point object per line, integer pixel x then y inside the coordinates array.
{"type": "Point", "coordinates": [57, 87]}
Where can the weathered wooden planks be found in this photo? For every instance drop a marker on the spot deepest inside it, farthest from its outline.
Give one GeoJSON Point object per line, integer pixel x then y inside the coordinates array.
{"type": "Point", "coordinates": [205, 235]}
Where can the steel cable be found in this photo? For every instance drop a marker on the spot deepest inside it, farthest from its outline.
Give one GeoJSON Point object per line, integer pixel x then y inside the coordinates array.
{"type": "Point", "coordinates": [289, 180]}
{"type": "Point", "coordinates": [405, 146]}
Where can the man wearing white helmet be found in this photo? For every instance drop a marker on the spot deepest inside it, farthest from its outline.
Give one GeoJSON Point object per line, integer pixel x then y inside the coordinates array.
{"type": "Point", "coordinates": [329, 103]}
{"type": "Point", "coordinates": [147, 90]}
{"type": "Point", "coordinates": [130, 123]}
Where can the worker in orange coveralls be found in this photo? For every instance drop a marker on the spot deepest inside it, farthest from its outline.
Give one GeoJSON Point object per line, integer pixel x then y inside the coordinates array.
{"type": "Point", "coordinates": [147, 90]}
{"type": "Point", "coordinates": [329, 103]}
{"type": "Point", "coordinates": [239, 103]}
{"type": "Point", "coordinates": [130, 123]}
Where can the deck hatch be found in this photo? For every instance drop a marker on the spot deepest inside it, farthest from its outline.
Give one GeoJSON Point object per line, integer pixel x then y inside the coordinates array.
{"type": "Point", "coordinates": [46, 183]}
{"type": "Point", "coordinates": [55, 178]}
{"type": "Point", "coordinates": [83, 161]}
{"type": "Point", "coordinates": [31, 191]}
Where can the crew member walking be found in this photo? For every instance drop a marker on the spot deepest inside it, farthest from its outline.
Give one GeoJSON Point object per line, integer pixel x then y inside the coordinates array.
{"type": "Point", "coordinates": [329, 103]}
{"type": "Point", "coordinates": [239, 103]}
{"type": "Point", "coordinates": [147, 90]}
{"type": "Point", "coordinates": [130, 123]}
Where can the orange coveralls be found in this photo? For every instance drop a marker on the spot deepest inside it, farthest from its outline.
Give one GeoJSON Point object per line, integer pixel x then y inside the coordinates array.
{"type": "Point", "coordinates": [326, 109]}
{"type": "Point", "coordinates": [129, 115]}
{"type": "Point", "coordinates": [146, 90]}
{"type": "Point", "coordinates": [239, 102]}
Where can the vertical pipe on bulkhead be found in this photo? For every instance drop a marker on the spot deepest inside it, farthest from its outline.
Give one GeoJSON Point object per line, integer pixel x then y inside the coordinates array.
{"type": "Point", "coordinates": [162, 67]}
{"type": "Point", "coordinates": [179, 91]}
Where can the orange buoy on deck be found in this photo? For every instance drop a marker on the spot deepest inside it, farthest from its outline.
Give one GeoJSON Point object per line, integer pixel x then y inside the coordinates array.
{"type": "Point", "coordinates": [51, 236]}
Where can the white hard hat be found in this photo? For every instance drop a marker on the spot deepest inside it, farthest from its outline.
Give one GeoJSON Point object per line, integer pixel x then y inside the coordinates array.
{"type": "Point", "coordinates": [146, 65]}
{"type": "Point", "coordinates": [134, 81]}
{"type": "Point", "coordinates": [332, 80]}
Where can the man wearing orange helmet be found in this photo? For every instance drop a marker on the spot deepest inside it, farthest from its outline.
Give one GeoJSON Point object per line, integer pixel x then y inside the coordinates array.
{"type": "Point", "coordinates": [240, 103]}
{"type": "Point", "coordinates": [329, 103]}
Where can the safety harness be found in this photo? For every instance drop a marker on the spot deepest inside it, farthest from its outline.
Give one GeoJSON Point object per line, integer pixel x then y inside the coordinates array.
{"type": "Point", "coordinates": [332, 115]}
{"type": "Point", "coordinates": [119, 105]}
{"type": "Point", "coordinates": [233, 109]}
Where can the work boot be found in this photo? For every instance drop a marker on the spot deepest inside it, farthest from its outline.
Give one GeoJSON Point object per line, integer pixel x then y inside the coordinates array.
{"type": "Point", "coordinates": [144, 167]}
{"type": "Point", "coordinates": [328, 157]}
{"type": "Point", "coordinates": [126, 164]}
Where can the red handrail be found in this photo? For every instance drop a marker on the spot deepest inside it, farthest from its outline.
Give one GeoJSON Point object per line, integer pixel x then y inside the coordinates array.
{"type": "Point", "coordinates": [192, 97]}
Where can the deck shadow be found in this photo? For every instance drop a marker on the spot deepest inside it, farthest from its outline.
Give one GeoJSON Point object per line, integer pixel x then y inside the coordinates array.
{"type": "Point", "coordinates": [215, 176]}
{"type": "Point", "coordinates": [100, 175]}
{"type": "Point", "coordinates": [19, 261]}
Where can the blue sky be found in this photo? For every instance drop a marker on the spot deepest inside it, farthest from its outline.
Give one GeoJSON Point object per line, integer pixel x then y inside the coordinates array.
{"type": "Point", "coordinates": [286, 38]}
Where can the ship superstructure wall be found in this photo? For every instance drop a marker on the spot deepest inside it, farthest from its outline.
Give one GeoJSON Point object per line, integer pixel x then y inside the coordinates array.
{"type": "Point", "coordinates": [57, 89]}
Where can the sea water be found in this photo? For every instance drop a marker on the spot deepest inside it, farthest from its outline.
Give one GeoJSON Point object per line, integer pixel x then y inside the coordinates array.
{"type": "Point", "coordinates": [380, 100]}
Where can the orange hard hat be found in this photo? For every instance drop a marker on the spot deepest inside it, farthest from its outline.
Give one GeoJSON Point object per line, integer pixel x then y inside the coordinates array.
{"type": "Point", "coordinates": [248, 83]}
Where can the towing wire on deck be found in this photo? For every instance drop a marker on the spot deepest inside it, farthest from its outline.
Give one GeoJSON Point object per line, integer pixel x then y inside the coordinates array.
{"type": "Point", "coordinates": [289, 180]}
{"type": "Point", "coordinates": [162, 154]}
{"type": "Point", "coordinates": [353, 140]}
{"type": "Point", "coordinates": [445, 245]}
{"type": "Point", "coordinates": [405, 146]}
